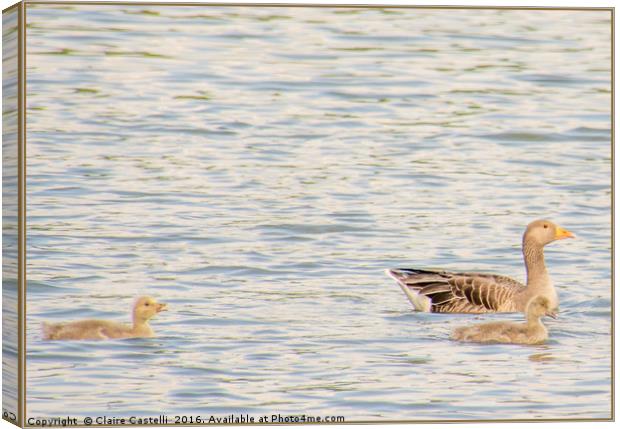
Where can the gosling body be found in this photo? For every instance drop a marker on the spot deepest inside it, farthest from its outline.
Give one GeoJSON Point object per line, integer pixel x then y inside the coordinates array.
{"type": "Point", "coordinates": [531, 332]}
{"type": "Point", "coordinates": [144, 309]}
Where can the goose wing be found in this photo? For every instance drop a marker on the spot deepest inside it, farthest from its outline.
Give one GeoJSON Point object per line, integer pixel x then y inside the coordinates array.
{"type": "Point", "coordinates": [459, 292]}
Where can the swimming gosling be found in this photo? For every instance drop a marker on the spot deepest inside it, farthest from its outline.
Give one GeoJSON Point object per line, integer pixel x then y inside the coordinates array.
{"type": "Point", "coordinates": [144, 309]}
{"type": "Point", "coordinates": [531, 332]}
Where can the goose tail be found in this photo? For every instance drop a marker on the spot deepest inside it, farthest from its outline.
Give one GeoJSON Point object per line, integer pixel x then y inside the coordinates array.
{"type": "Point", "coordinates": [403, 277]}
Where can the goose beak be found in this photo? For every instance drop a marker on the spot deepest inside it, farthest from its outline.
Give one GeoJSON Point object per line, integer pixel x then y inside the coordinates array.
{"type": "Point", "coordinates": [552, 314]}
{"type": "Point", "coordinates": [162, 307]}
{"type": "Point", "coordinates": [561, 233]}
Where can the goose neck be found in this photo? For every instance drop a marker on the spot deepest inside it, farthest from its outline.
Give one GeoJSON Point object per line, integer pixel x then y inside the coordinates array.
{"type": "Point", "coordinates": [139, 322]}
{"type": "Point", "coordinates": [533, 320]}
{"type": "Point", "coordinates": [534, 258]}
{"type": "Point", "coordinates": [141, 327]}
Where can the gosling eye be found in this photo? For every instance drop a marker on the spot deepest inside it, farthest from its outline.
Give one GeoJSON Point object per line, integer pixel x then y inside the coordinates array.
{"type": "Point", "coordinates": [545, 226]}
{"type": "Point", "coordinates": [147, 304]}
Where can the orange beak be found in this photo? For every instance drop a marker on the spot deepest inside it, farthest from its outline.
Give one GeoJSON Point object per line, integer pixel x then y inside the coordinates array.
{"type": "Point", "coordinates": [561, 233]}
{"type": "Point", "coordinates": [162, 307]}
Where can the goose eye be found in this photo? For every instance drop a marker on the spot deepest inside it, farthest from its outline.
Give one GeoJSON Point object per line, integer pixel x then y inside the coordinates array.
{"type": "Point", "coordinates": [147, 304]}
{"type": "Point", "coordinates": [545, 226]}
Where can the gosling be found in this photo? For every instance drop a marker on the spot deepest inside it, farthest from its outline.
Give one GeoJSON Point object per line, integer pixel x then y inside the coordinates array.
{"type": "Point", "coordinates": [144, 309]}
{"type": "Point", "coordinates": [531, 332]}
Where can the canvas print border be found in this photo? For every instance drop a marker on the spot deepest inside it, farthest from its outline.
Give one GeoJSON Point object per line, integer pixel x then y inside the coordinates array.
{"type": "Point", "coordinates": [21, 174]}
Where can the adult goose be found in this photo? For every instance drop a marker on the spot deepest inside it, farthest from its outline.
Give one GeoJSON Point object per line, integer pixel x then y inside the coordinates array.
{"type": "Point", "coordinates": [450, 292]}
{"type": "Point", "coordinates": [144, 309]}
{"type": "Point", "coordinates": [530, 332]}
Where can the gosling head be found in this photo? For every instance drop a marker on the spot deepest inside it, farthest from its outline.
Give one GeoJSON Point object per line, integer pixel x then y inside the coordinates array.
{"type": "Point", "coordinates": [543, 232]}
{"type": "Point", "coordinates": [146, 307]}
{"type": "Point", "coordinates": [539, 306]}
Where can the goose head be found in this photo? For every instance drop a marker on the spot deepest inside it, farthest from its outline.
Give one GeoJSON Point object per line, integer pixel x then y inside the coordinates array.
{"type": "Point", "coordinates": [146, 307]}
{"type": "Point", "coordinates": [540, 306]}
{"type": "Point", "coordinates": [543, 232]}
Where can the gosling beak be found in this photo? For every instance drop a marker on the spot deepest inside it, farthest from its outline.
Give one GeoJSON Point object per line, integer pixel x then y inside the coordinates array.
{"type": "Point", "coordinates": [162, 307]}
{"type": "Point", "coordinates": [551, 313]}
{"type": "Point", "coordinates": [561, 233]}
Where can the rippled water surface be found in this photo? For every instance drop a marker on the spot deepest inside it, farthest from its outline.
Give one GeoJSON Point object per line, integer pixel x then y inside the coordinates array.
{"type": "Point", "coordinates": [259, 168]}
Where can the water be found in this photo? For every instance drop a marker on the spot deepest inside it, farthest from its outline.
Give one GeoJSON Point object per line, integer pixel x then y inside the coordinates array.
{"type": "Point", "coordinates": [259, 168]}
